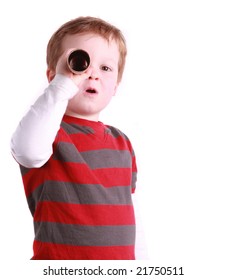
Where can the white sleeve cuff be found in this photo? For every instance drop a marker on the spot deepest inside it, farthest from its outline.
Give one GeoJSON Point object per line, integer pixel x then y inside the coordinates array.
{"type": "Point", "coordinates": [64, 87]}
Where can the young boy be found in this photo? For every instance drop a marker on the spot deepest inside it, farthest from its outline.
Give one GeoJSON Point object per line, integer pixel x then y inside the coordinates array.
{"type": "Point", "coordinates": [78, 173]}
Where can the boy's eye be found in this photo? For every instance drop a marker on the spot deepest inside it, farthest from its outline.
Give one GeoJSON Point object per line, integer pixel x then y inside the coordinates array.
{"type": "Point", "coordinates": [105, 68]}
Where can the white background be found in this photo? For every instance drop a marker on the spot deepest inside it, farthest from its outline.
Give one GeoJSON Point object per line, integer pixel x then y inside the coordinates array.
{"type": "Point", "coordinates": [171, 103]}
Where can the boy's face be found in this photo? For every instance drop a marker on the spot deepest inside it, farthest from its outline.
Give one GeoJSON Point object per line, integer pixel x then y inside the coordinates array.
{"type": "Point", "coordinates": [96, 91]}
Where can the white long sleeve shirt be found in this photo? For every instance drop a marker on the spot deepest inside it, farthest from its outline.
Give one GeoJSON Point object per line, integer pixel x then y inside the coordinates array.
{"type": "Point", "coordinates": [31, 144]}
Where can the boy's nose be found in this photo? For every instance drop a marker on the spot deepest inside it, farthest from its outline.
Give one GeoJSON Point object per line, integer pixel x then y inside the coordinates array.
{"type": "Point", "coordinates": [93, 74]}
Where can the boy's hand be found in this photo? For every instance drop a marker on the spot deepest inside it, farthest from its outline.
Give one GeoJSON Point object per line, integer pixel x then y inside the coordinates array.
{"type": "Point", "coordinates": [63, 69]}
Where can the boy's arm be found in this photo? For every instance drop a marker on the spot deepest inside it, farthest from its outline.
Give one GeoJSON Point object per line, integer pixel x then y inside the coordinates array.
{"type": "Point", "coordinates": [31, 144]}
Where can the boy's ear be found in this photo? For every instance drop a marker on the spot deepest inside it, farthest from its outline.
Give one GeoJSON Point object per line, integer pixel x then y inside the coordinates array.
{"type": "Point", "coordinates": [115, 89]}
{"type": "Point", "coordinates": [50, 74]}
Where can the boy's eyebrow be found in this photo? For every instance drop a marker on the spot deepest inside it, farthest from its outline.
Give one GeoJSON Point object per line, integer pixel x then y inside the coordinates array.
{"type": "Point", "coordinates": [110, 57]}
{"type": "Point", "coordinates": [112, 60]}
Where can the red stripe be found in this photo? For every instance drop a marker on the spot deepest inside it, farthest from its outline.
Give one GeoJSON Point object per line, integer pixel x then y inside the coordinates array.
{"type": "Point", "coordinates": [79, 140]}
{"type": "Point", "coordinates": [31, 180]}
{"type": "Point", "coordinates": [76, 173]}
{"type": "Point", "coordinates": [84, 214]}
{"type": "Point", "coordinates": [50, 251]}
{"type": "Point", "coordinates": [111, 177]}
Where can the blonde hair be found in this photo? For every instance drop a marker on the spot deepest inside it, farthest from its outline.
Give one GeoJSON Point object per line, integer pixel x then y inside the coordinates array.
{"type": "Point", "coordinates": [83, 25]}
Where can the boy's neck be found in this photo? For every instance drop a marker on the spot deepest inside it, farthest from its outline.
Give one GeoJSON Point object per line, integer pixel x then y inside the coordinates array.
{"type": "Point", "coordinates": [94, 118]}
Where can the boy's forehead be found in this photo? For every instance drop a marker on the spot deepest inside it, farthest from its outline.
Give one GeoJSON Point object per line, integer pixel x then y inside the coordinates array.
{"type": "Point", "coordinates": [87, 39]}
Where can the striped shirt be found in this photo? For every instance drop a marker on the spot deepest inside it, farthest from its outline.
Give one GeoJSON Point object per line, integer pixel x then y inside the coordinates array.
{"type": "Point", "coordinates": [80, 198]}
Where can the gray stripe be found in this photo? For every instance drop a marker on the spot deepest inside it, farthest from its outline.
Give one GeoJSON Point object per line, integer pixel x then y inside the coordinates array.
{"type": "Point", "coordinates": [85, 235]}
{"type": "Point", "coordinates": [115, 132]}
{"type": "Point", "coordinates": [134, 179]}
{"type": "Point", "coordinates": [24, 170]}
{"type": "Point", "coordinates": [72, 128]}
{"type": "Point", "coordinates": [79, 194]}
{"type": "Point", "coordinates": [75, 128]}
{"type": "Point", "coordinates": [67, 152]}
{"type": "Point", "coordinates": [105, 158]}
{"type": "Point", "coordinates": [108, 158]}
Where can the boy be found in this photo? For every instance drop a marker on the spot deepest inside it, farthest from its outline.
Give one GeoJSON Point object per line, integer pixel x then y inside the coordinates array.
{"type": "Point", "coordinates": [78, 173]}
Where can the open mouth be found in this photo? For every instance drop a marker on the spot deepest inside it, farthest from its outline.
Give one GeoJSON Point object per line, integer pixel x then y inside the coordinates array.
{"type": "Point", "coordinates": [91, 90]}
